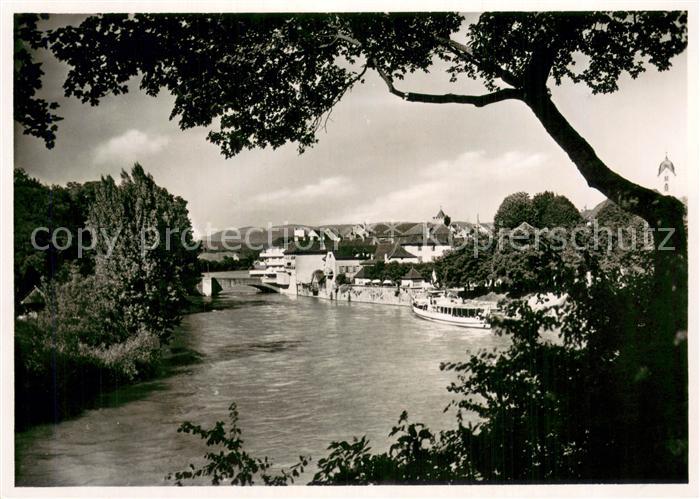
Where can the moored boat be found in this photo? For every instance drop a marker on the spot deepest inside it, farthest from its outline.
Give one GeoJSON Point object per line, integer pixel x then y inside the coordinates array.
{"type": "Point", "coordinates": [457, 312]}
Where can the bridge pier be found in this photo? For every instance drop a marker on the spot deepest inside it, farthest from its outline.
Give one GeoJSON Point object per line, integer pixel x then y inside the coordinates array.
{"type": "Point", "coordinates": [210, 286]}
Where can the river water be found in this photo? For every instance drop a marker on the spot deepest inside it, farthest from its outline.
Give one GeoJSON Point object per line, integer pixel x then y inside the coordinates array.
{"type": "Point", "coordinates": [303, 372]}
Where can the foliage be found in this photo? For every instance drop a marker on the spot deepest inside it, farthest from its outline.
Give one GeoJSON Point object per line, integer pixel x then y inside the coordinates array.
{"type": "Point", "coordinates": [513, 211]}
{"type": "Point", "coordinates": [37, 205]}
{"type": "Point", "coordinates": [554, 210]}
{"type": "Point", "coordinates": [544, 210]}
{"type": "Point", "coordinates": [394, 271]}
{"type": "Point", "coordinates": [532, 261]}
{"type": "Point", "coordinates": [33, 113]}
{"type": "Point", "coordinates": [342, 279]}
{"type": "Point", "coordinates": [418, 456]}
{"type": "Point", "coordinates": [576, 405]}
{"type": "Point", "coordinates": [30, 208]}
{"type": "Point", "coordinates": [622, 239]}
{"type": "Point", "coordinates": [50, 384]}
{"type": "Point", "coordinates": [518, 261]}
{"type": "Point", "coordinates": [73, 350]}
{"type": "Point", "coordinates": [467, 266]}
{"type": "Point", "coordinates": [244, 262]}
{"type": "Point", "coordinates": [145, 252]}
{"type": "Point", "coordinates": [272, 79]}
{"type": "Point", "coordinates": [522, 261]}
{"type": "Point", "coordinates": [232, 464]}
{"type": "Point", "coordinates": [83, 324]}
{"type": "Point", "coordinates": [104, 322]}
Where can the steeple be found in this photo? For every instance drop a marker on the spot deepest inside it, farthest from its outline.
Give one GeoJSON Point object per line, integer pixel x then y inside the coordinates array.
{"type": "Point", "coordinates": [440, 217]}
{"type": "Point", "coordinates": [665, 167]}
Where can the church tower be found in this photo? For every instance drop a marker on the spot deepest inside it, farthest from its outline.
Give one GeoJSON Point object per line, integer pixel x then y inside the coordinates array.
{"type": "Point", "coordinates": [666, 168]}
{"type": "Point", "coordinates": [440, 217]}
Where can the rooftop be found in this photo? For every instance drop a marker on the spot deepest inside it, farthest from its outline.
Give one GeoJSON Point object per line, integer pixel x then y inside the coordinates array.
{"type": "Point", "coordinates": [413, 274]}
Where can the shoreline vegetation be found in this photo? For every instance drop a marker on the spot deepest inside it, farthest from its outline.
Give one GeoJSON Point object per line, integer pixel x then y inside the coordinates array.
{"type": "Point", "coordinates": [102, 319]}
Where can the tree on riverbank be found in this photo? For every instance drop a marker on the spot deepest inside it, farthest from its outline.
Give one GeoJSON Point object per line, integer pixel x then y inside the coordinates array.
{"type": "Point", "coordinates": [145, 251]}
{"type": "Point", "coordinates": [107, 326]}
{"type": "Point", "coordinates": [544, 210]}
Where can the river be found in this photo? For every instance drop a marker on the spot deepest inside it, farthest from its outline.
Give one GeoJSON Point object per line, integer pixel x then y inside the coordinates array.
{"type": "Point", "coordinates": [303, 372]}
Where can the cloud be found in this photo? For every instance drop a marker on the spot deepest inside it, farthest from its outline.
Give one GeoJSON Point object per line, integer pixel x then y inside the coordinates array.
{"type": "Point", "coordinates": [130, 146]}
{"type": "Point", "coordinates": [330, 186]}
{"type": "Point", "coordinates": [473, 183]}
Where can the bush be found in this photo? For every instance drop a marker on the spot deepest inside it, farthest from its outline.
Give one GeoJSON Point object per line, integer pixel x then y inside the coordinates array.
{"type": "Point", "coordinates": [231, 463]}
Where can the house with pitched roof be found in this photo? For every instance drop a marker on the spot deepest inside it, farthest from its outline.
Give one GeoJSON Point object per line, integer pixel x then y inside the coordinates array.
{"type": "Point", "coordinates": [303, 232]}
{"type": "Point", "coordinates": [412, 279]}
{"type": "Point", "coordinates": [360, 231]}
{"type": "Point", "coordinates": [330, 233]}
{"type": "Point", "coordinates": [394, 252]}
{"type": "Point", "coordinates": [427, 241]}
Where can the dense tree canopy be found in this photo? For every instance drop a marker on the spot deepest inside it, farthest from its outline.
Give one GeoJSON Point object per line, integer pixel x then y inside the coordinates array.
{"type": "Point", "coordinates": [465, 267]}
{"type": "Point", "coordinates": [513, 211]}
{"type": "Point", "coordinates": [554, 210]}
{"type": "Point", "coordinates": [109, 310]}
{"type": "Point", "coordinates": [270, 78]}
{"type": "Point", "coordinates": [41, 209]}
{"type": "Point", "coordinates": [544, 210]}
{"type": "Point", "coordinates": [145, 251]}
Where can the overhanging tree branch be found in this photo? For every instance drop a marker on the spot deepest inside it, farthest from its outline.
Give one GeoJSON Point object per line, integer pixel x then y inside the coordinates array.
{"type": "Point", "coordinates": [341, 36]}
{"type": "Point", "coordinates": [474, 100]}
{"type": "Point", "coordinates": [463, 52]}
{"type": "Point", "coordinates": [655, 208]}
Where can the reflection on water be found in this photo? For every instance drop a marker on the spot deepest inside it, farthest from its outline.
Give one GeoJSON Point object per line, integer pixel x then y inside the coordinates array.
{"type": "Point", "coordinates": [303, 373]}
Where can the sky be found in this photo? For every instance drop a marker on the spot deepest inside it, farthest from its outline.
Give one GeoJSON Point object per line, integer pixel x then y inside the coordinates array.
{"type": "Point", "coordinates": [380, 158]}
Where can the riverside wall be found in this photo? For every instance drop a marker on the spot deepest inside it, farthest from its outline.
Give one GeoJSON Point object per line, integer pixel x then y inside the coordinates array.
{"type": "Point", "coordinates": [382, 295]}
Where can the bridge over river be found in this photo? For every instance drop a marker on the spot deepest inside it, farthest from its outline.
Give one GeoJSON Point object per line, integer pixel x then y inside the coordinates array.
{"type": "Point", "coordinates": [213, 283]}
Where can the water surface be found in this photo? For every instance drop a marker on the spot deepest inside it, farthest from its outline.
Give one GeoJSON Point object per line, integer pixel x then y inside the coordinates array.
{"type": "Point", "coordinates": [303, 372]}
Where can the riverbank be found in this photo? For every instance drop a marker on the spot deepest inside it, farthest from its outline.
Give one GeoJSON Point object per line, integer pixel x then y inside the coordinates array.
{"type": "Point", "coordinates": [378, 295]}
{"type": "Point", "coordinates": [58, 386]}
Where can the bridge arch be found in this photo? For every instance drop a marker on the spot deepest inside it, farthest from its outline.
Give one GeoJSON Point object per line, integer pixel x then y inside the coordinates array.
{"type": "Point", "coordinates": [213, 285]}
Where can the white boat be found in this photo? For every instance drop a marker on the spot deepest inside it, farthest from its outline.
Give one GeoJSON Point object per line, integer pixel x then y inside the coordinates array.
{"type": "Point", "coordinates": [454, 311]}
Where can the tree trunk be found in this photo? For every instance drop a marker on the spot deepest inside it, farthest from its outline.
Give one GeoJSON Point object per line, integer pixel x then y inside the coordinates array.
{"type": "Point", "coordinates": [663, 420]}
{"type": "Point", "coordinates": [658, 210]}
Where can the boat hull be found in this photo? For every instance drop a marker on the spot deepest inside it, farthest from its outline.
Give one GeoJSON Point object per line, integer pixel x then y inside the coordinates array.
{"type": "Point", "coordinates": [467, 322]}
